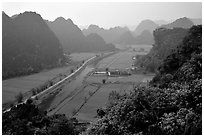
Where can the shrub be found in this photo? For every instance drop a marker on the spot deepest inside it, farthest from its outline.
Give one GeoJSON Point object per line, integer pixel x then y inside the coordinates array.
{"type": "Point", "coordinates": [19, 97]}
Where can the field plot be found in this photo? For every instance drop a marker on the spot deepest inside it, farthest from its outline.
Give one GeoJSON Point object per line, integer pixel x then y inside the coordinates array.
{"type": "Point", "coordinates": [11, 87]}
{"type": "Point", "coordinates": [81, 56]}
{"type": "Point", "coordinates": [69, 89]}
{"type": "Point", "coordinates": [74, 104]}
{"type": "Point", "coordinates": [121, 60]}
{"type": "Point", "coordinates": [89, 111]}
{"type": "Point", "coordinates": [94, 79]}
{"type": "Point", "coordinates": [130, 79]}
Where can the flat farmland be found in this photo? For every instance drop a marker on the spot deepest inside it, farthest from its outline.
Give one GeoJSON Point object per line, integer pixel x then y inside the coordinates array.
{"type": "Point", "coordinates": [70, 89]}
{"type": "Point", "coordinates": [121, 60]}
{"type": "Point", "coordinates": [83, 95]}
{"type": "Point", "coordinates": [89, 111]}
{"type": "Point", "coordinates": [81, 56]}
{"type": "Point", "coordinates": [94, 79]}
{"type": "Point", "coordinates": [75, 103]}
{"type": "Point", "coordinates": [138, 78]}
{"type": "Point", "coordinates": [11, 87]}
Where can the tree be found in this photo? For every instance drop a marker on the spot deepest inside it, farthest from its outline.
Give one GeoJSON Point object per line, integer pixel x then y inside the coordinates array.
{"type": "Point", "coordinates": [19, 97]}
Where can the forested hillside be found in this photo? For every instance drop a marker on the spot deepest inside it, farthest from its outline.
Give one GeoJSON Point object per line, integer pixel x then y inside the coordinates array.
{"type": "Point", "coordinates": [166, 40]}
{"type": "Point", "coordinates": [28, 45]}
{"type": "Point", "coordinates": [170, 105]}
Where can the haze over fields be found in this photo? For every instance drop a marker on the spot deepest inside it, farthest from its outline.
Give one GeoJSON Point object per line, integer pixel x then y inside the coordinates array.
{"type": "Point", "coordinates": [102, 68]}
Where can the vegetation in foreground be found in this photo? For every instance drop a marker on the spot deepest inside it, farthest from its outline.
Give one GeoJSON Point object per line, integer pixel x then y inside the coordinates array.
{"type": "Point", "coordinates": [171, 104]}
{"type": "Point", "coordinates": [27, 119]}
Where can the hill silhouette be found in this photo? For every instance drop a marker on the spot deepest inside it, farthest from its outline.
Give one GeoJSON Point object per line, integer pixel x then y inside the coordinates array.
{"type": "Point", "coordinates": [145, 25]}
{"type": "Point", "coordinates": [28, 45]}
{"type": "Point", "coordinates": [72, 38]}
{"type": "Point", "coordinates": [179, 23]}
{"type": "Point", "coordinates": [109, 35]}
{"type": "Point", "coordinates": [146, 37]}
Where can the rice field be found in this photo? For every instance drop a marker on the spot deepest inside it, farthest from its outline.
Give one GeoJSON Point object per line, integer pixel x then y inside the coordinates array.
{"type": "Point", "coordinates": [84, 93]}
{"type": "Point", "coordinates": [12, 87]}
{"type": "Point", "coordinates": [81, 56]}
{"type": "Point", "coordinates": [121, 60]}
{"type": "Point", "coordinates": [89, 111]}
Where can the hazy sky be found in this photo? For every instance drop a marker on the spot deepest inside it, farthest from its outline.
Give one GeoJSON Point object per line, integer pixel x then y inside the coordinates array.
{"type": "Point", "coordinates": [108, 14]}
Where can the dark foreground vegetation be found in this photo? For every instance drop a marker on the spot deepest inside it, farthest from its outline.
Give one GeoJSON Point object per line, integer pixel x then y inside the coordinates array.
{"type": "Point", "coordinates": [171, 104]}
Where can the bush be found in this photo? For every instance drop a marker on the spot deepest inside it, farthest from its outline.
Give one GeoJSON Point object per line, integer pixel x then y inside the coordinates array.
{"type": "Point", "coordinates": [19, 97]}
{"type": "Point", "coordinates": [27, 119]}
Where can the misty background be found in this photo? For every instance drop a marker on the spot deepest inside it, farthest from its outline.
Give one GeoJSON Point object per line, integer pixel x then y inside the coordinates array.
{"type": "Point", "coordinates": [109, 14]}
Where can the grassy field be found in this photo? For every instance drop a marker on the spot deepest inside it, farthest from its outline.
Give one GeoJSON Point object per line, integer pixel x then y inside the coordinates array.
{"type": "Point", "coordinates": [11, 87]}
{"type": "Point", "coordinates": [74, 104]}
{"type": "Point", "coordinates": [89, 111]}
{"type": "Point", "coordinates": [81, 56]}
{"type": "Point", "coordinates": [121, 60]}
{"type": "Point", "coordinates": [69, 89]}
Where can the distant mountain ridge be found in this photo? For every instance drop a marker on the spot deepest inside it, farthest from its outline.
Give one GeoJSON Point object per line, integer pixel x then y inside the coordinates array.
{"type": "Point", "coordinates": [72, 38]}
{"type": "Point", "coordinates": [28, 45]}
{"type": "Point", "coordinates": [179, 23]}
{"type": "Point", "coordinates": [109, 35]}
{"type": "Point", "coordinates": [145, 25]}
{"type": "Point", "coordinates": [143, 33]}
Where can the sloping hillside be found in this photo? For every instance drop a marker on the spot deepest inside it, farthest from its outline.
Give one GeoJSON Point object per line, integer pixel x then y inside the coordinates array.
{"type": "Point", "coordinates": [28, 45]}
{"type": "Point", "coordinates": [166, 40]}
{"type": "Point", "coordinates": [72, 38]}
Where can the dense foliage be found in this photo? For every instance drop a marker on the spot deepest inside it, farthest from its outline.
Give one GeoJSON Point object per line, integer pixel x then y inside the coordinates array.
{"type": "Point", "coordinates": [27, 119]}
{"type": "Point", "coordinates": [165, 41]}
{"type": "Point", "coordinates": [171, 105]}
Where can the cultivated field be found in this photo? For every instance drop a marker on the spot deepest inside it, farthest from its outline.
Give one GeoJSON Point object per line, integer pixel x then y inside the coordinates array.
{"type": "Point", "coordinates": [83, 94]}
{"type": "Point", "coordinates": [121, 60]}
{"type": "Point", "coordinates": [86, 92]}
{"type": "Point", "coordinates": [11, 87]}
{"type": "Point", "coordinates": [70, 88]}
{"type": "Point", "coordinates": [89, 111]}
{"type": "Point", "coordinates": [81, 56]}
